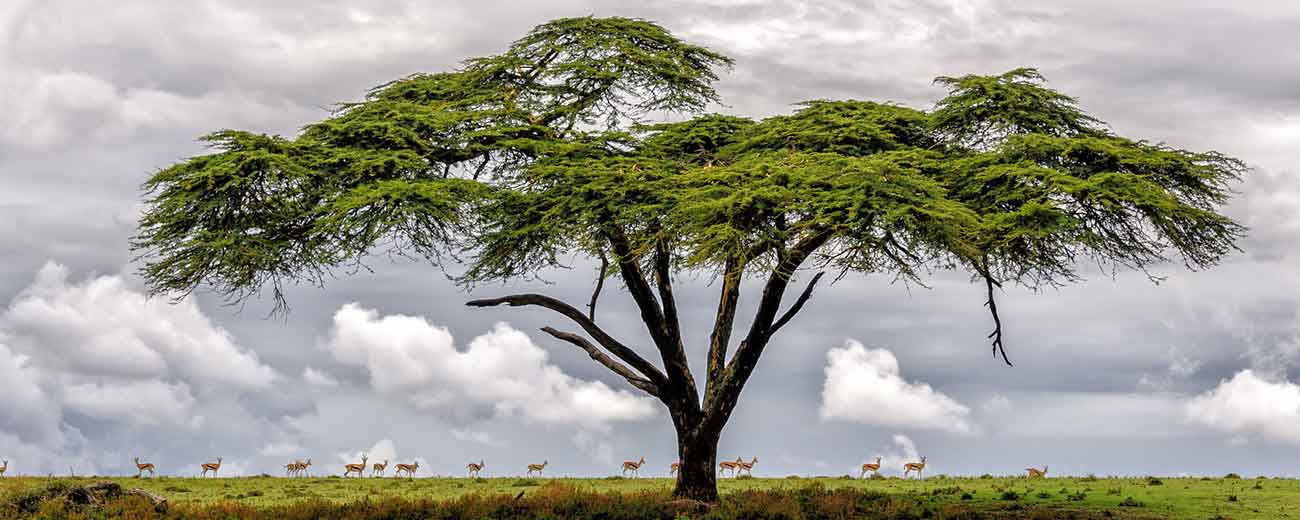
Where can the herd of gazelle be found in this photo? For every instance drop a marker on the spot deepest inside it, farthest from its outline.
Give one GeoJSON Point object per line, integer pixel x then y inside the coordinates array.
{"type": "Point", "coordinates": [299, 468]}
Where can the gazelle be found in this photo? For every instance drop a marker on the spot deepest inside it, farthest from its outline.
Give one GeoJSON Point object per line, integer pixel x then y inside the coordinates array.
{"type": "Point", "coordinates": [211, 466]}
{"type": "Point", "coordinates": [634, 467]}
{"type": "Point", "coordinates": [673, 469]}
{"type": "Point", "coordinates": [409, 469]}
{"type": "Point", "coordinates": [141, 468]}
{"type": "Point", "coordinates": [729, 465]}
{"type": "Point", "coordinates": [359, 469]}
{"type": "Point", "coordinates": [918, 467]}
{"type": "Point", "coordinates": [379, 468]}
{"type": "Point", "coordinates": [537, 467]}
{"type": "Point", "coordinates": [747, 467]}
{"type": "Point", "coordinates": [4, 468]}
{"type": "Point", "coordinates": [1040, 473]}
{"type": "Point", "coordinates": [475, 468]}
{"type": "Point", "coordinates": [873, 467]}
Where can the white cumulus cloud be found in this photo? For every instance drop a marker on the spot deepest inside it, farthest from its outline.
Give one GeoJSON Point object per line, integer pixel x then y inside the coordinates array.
{"type": "Point", "coordinates": [101, 328]}
{"type": "Point", "coordinates": [94, 352]}
{"type": "Point", "coordinates": [1250, 405]}
{"type": "Point", "coordinates": [866, 386]}
{"type": "Point", "coordinates": [501, 373]}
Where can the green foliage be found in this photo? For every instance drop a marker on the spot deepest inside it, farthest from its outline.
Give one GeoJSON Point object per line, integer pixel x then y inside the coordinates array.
{"type": "Point", "coordinates": [516, 160]}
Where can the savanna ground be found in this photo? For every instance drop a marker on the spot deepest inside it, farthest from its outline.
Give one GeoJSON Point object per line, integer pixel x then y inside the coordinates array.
{"type": "Point", "coordinates": [793, 497]}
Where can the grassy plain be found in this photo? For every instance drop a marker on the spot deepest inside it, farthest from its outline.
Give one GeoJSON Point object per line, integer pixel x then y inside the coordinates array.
{"type": "Point", "coordinates": [1223, 498]}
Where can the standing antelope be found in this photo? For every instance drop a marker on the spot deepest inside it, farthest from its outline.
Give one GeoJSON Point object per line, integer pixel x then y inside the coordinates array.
{"type": "Point", "coordinates": [475, 468]}
{"type": "Point", "coordinates": [4, 468]}
{"type": "Point", "coordinates": [297, 468]}
{"type": "Point", "coordinates": [359, 469]}
{"type": "Point", "coordinates": [673, 469]}
{"type": "Point", "coordinates": [918, 467]}
{"type": "Point", "coordinates": [1040, 473]}
{"type": "Point", "coordinates": [211, 466]}
{"type": "Point", "coordinates": [409, 469]}
{"type": "Point", "coordinates": [634, 467]}
{"type": "Point", "coordinates": [379, 468]}
{"type": "Point", "coordinates": [729, 465]}
{"type": "Point", "coordinates": [873, 467]}
{"type": "Point", "coordinates": [747, 467]}
{"type": "Point", "coordinates": [537, 467]}
{"type": "Point", "coordinates": [141, 468]}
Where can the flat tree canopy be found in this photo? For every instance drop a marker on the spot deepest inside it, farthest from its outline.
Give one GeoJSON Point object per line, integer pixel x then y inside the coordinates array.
{"type": "Point", "coordinates": [514, 163]}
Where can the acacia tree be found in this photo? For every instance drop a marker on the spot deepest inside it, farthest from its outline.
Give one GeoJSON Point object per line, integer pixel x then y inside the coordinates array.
{"type": "Point", "coordinates": [512, 163]}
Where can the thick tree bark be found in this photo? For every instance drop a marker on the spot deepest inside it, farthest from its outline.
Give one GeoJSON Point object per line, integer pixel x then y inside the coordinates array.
{"type": "Point", "coordinates": [697, 452]}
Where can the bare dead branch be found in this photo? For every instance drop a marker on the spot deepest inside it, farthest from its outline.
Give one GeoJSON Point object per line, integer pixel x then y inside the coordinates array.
{"type": "Point", "coordinates": [600, 357]}
{"type": "Point", "coordinates": [629, 356]}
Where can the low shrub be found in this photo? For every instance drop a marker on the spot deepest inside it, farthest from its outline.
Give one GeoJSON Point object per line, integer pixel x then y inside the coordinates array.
{"type": "Point", "coordinates": [1152, 481]}
{"type": "Point", "coordinates": [549, 500]}
{"type": "Point", "coordinates": [1232, 476]}
{"type": "Point", "coordinates": [1130, 502]}
{"type": "Point", "coordinates": [1010, 495]}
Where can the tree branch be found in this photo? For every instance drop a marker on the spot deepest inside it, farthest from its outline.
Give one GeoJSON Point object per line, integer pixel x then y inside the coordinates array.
{"type": "Point", "coordinates": [620, 350]}
{"type": "Point", "coordinates": [721, 398]}
{"type": "Point", "coordinates": [663, 279]}
{"type": "Point", "coordinates": [600, 284]}
{"type": "Point", "coordinates": [680, 382]}
{"type": "Point", "coordinates": [600, 357]}
{"type": "Point", "coordinates": [798, 304]}
{"type": "Point", "coordinates": [724, 320]}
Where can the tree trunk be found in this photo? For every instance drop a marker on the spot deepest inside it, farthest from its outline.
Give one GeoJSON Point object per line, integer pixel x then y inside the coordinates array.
{"type": "Point", "coordinates": [696, 477]}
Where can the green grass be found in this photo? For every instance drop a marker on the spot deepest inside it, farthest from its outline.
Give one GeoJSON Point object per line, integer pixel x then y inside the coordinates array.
{"type": "Point", "coordinates": [1121, 497]}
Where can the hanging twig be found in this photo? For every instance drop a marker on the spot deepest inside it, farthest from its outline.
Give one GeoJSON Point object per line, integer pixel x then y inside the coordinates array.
{"type": "Point", "coordinates": [992, 304]}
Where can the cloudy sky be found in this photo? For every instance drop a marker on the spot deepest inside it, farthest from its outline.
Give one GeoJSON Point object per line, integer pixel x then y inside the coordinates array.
{"type": "Point", "coordinates": [1112, 376]}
